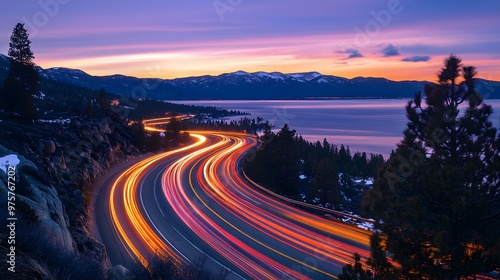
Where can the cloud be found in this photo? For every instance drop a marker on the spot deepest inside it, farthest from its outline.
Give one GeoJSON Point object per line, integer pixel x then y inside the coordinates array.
{"type": "Point", "coordinates": [417, 58]}
{"type": "Point", "coordinates": [353, 53]}
{"type": "Point", "coordinates": [390, 50]}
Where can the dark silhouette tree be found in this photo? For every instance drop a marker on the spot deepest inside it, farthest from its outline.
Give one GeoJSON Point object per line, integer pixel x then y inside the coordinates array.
{"type": "Point", "coordinates": [285, 162]}
{"type": "Point", "coordinates": [89, 111]}
{"type": "Point", "coordinates": [141, 137]}
{"type": "Point", "coordinates": [21, 84]}
{"type": "Point", "coordinates": [104, 103]}
{"type": "Point", "coordinates": [378, 266]}
{"type": "Point", "coordinates": [276, 163]}
{"type": "Point", "coordinates": [20, 46]}
{"type": "Point", "coordinates": [356, 271]}
{"type": "Point", "coordinates": [325, 183]}
{"type": "Point", "coordinates": [438, 195]}
{"type": "Point", "coordinates": [381, 267]}
{"type": "Point", "coordinates": [345, 159]}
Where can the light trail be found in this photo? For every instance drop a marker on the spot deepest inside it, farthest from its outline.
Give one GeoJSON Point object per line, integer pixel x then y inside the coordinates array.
{"type": "Point", "coordinates": [150, 124]}
{"type": "Point", "coordinates": [126, 184]}
{"type": "Point", "coordinates": [202, 186]}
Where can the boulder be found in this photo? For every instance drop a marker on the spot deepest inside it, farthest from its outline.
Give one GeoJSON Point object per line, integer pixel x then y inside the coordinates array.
{"type": "Point", "coordinates": [49, 147]}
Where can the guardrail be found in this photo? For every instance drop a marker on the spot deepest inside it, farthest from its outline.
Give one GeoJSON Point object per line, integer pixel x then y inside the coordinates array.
{"type": "Point", "coordinates": [303, 204]}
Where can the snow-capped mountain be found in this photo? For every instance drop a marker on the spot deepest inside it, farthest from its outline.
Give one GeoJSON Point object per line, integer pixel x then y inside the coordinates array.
{"type": "Point", "coordinates": [241, 85]}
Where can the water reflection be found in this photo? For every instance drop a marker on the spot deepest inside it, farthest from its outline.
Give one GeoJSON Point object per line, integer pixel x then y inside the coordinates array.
{"type": "Point", "coordinates": [373, 126]}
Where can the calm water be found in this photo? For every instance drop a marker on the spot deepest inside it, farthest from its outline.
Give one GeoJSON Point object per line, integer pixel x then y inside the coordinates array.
{"type": "Point", "coordinates": [373, 126]}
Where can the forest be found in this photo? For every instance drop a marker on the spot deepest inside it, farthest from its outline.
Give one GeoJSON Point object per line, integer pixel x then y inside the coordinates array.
{"type": "Point", "coordinates": [327, 171]}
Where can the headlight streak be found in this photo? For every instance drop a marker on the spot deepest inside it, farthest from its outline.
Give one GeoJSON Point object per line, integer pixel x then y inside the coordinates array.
{"type": "Point", "coordinates": [205, 228]}
{"type": "Point", "coordinates": [275, 227]}
{"type": "Point", "coordinates": [127, 184]}
{"type": "Point", "coordinates": [255, 232]}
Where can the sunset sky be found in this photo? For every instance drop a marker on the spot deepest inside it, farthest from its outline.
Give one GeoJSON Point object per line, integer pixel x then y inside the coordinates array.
{"type": "Point", "coordinates": [399, 40]}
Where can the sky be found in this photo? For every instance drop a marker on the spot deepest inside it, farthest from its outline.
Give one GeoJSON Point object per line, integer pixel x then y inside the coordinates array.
{"type": "Point", "coordinates": [395, 39]}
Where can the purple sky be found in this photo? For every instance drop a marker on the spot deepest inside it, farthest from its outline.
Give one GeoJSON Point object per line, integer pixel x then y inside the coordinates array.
{"type": "Point", "coordinates": [405, 39]}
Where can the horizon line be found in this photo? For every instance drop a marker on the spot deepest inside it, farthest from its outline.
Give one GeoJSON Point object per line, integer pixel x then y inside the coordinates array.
{"type": "Point", "coordinates": [240, 70]}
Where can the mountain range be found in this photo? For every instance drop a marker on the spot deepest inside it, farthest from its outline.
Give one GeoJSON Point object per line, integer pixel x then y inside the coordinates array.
{"type": "Point", "coordinates": [242, 85]}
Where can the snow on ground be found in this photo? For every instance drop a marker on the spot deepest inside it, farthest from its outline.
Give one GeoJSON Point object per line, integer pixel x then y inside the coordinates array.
{"type": "Point", "coordinates": [10, 160]}
{"type": "Point", "coordinates": [59, 121]}
{"type": "Point", "coordinates": [365, 226]}
{"type": "Point", "coordinates": [366, 182]}
{"type": "Point", "coordinates": [41, 96]}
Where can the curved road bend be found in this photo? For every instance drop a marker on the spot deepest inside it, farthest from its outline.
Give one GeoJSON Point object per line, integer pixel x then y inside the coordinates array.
{"type": "Point", "coordinates": [194, 201]}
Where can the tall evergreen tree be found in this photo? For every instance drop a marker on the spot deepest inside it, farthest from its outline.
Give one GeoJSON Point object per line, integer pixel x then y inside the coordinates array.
{"type": "Point", "coordinates": [103, 101]}
{"type": "Point", "coordinates": [21, 84]}
{"type": "Point", "coordinates": [20, 46]}
{"type": "Point", "coordinates": [325, 183]}
{"type": "Point", "coordinates": [438, 196]}
{"type": "Point", "coordinates": [141, 137]}
{"type": "Point", "coordinates": [285, 161]}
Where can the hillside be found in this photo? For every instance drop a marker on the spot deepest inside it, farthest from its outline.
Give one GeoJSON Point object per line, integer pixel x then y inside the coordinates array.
{"type": "Point", "coordinates": [241, 85]}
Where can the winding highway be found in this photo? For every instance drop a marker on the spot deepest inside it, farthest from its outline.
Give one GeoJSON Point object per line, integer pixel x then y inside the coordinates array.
{"type": "Point", "coordinates": [194, 203]}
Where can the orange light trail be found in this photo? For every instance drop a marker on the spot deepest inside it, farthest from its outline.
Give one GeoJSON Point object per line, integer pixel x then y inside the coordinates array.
{"type": "Point", "coordinates": [126, 184]}
{"type": "Point", "coordinates": [263, 237]}
{"type": "Point", "coordinates": [149, 124]}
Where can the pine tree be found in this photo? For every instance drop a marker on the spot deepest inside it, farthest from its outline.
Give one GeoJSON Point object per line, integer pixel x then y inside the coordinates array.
{"type": "Point", "coordinates": [356, 271]}
{"type": "Point", "coordinates": [438, 196]}
{"type": "Point", "coordinates": [284, 163]}
{"type": "Point", "coordinates": [20, 46]}
{"type": "Point", "coordinates": [381, 267]}
{"type": "Point", "coordinates": [141, 137]}
{"type": "Point", "coordinates": [21, 84]}
{"type": "Point", "coordinates": [104, 103]}
{"type": "Point", "coordinates": [325, 183]}
{"type": "Point", "coordinates": [89, 108]}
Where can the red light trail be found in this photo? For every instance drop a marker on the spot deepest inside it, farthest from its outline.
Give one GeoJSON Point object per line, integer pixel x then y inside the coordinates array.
{"type": "Point", "coordinates": [208, 207]}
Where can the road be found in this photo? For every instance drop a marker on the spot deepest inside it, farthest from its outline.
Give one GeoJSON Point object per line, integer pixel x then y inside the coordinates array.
{"type": "Point", "coordinates": [195, 202]}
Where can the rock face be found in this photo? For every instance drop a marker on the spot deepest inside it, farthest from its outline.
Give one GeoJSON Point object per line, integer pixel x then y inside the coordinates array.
{"type": "Point", "coordinates": [37, 206]}
{"type": "Point", "coordinates": [58, 164]}
{"type": "Point", "coordinates": [43, 199]}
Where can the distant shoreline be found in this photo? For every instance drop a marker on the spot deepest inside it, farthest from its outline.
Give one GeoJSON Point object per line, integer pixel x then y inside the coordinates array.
{"type": "Point", "coordinates": [305, 99]}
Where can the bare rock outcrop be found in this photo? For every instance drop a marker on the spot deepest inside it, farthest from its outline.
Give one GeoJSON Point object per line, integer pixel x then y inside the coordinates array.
{"type": "Point", "coordinates": [38, 203]}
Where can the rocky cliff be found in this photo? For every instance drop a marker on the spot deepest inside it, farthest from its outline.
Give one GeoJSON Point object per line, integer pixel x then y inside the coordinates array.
{"type": "Point", "coordinates": [58, 164]}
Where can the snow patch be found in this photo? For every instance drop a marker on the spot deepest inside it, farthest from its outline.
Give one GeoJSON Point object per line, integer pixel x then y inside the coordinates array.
{"type": "Point", "coordinates": [10, 160]}
{"type": "Point", "coordinates": [305, 77]}
{"type": "Point", "coordinates": [58, 121]}
{"type": "Point", "coordinates": [365, 182]}
{"type": "Point", "coordinates": [40, 96]}
{"type": "Point", "coordinates": [365, 226]}
{"type": "Point", "coordinates": [240, 73]}
{"type": "Point", "coordinates": [274, 75]}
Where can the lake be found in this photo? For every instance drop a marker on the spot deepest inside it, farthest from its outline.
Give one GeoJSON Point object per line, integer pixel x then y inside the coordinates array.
{"type": "Point", "coordinates": [370, 125]}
